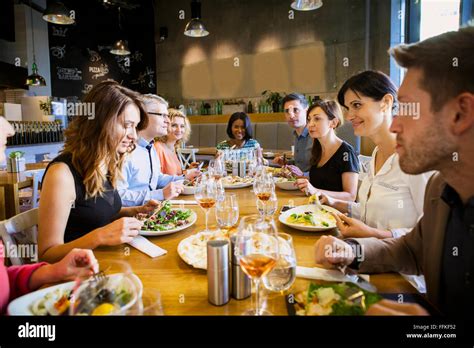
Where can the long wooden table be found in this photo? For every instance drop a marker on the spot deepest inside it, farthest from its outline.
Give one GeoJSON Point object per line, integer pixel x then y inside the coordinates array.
{"type": "Point", "coordinates": [184, 289]}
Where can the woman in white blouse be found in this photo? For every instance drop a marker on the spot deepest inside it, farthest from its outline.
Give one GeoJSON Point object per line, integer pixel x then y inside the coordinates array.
{"type": "Point", "coordinates": [390, 202]}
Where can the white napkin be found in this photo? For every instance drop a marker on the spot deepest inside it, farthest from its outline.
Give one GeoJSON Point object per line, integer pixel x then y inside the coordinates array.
{"type": "Point", "coordinates": [178, 202]}
{"type": "Point", "coordinates": [329, 275]}
{"type": "Point", "coordinates": [147, 247]}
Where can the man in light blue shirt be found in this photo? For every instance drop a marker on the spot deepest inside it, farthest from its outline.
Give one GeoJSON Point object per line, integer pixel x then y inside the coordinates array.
{"type": "Point", "coordinates": [142, 177]}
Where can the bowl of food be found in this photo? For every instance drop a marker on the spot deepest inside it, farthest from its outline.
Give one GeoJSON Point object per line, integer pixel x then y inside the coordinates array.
{"type": "Point", "coordinates": [287, 184]}
{"type": "Point", "coordinates": [189, 187]}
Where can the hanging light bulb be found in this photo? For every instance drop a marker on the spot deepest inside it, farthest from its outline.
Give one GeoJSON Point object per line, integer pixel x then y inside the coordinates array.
{"type": "Point", "coordinates": [120, 47]}
{"type": "Point", "coordinates": [306, 5]}
{"type": "Point", "coordinates": [195, 27]}
{"type": "Point", "coordinates": [34, 79]}
{"type": "Point", "coordinates": [57, 13]}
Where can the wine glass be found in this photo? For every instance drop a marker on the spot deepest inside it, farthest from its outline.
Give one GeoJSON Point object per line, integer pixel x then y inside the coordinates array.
{"type": "Point", "coordinates": [206, 194]}
{"type": "Point", "coordinates": [263, 187]}
{"type": "Point", "coordinates": [268, 208]}
{"type": "Point", "coordinates": [257, 252]}
{"type": "Point", "coordinates": [227, 211]}
{"type": "Point", "coordinates": [283, 275]}
{"type": "Point", "coordinates": [217, 168]}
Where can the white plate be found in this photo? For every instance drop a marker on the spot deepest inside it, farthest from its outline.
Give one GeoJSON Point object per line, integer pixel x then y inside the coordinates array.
{"type": "Point", "coordinates": [236, 186]}
{"type": "Point", "coordinates": [192, 220]}
{"type": "Point", "coordinates": [301, 209]}
{"type": "Point", "coordinates": [188, 190]}
{"type": "Point", "coordinates": [22, 305]}
{"type": "Point", "coordinates": [286, 185]}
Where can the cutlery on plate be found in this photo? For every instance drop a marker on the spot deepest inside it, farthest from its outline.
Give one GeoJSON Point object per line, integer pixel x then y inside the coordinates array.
{"type": "Point", "coordinates": [354, 278]}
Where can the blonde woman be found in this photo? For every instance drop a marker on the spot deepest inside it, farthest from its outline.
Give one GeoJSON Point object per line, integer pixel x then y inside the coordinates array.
{"type": "Point", "coordinates": [80, 206]}
{"type": "Point", "coordinates": [179, 132]}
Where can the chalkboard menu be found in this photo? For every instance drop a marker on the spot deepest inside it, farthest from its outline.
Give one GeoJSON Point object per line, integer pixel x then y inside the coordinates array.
{"type": "Point", "coordinates": [80, 53]}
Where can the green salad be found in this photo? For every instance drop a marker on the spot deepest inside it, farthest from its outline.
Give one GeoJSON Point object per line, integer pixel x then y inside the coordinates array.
{"type": "Point", "coordinates": [335, 299]}
{"type": "Point", "coordinates": [166, 218]}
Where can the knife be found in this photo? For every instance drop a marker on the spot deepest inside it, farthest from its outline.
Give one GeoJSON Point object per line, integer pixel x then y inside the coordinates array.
{"type": "Point", "coordinates": [354, 278]}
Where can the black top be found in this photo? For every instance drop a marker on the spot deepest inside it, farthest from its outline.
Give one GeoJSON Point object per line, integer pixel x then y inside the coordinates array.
{"type": "Point", "coordinates": [88, 214]}
{"type": "Point", "coordinates": [329, 176]}
{"type": "Point", "coordinates": [457, 267]}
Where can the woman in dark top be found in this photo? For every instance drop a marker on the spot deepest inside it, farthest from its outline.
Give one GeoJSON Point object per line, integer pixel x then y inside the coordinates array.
{"type": "Point", "coordinates": [80, 207]}
{"type": "Point", "coordinates": [334, 163]}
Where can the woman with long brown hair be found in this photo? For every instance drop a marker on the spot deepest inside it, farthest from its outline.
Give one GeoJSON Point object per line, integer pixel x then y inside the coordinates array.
{"type": "Point", "coordinates": [334, 163]}
{"type": "Point", "coordinates": [80, 206]}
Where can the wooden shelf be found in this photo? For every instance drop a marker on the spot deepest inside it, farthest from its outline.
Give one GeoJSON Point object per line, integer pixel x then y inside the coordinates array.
{"type": "Point", "coordinates": [254, 118]}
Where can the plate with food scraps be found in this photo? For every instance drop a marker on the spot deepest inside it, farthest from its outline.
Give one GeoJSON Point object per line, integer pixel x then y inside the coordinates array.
{"type": "Point", "coordinates": [309, 218]}
{"type": "Point", "coordinates": [234, 182]}
{"type": "Point", "coordinates": [119, 294]}
{"type": "Point", "coordinates": [166, 220]}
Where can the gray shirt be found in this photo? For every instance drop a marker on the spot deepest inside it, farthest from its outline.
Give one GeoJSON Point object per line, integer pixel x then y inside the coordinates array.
{"type": "Point", "coordinates": [303, 147]}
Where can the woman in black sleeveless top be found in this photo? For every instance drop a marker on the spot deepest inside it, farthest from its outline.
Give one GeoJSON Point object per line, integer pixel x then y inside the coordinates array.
{"type": "Point", "coordinates": [334, 164]}
{"type": "Point", "coordinates": [80, 206]}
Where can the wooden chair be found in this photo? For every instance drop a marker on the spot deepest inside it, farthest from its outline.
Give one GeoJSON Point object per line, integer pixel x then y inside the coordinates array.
{"type": "Point", "coordinates": [30, 198]}
{"type": "Point", "coordinates": [186, 156]}
{"type": "Point", "coordinates": [20, 233]}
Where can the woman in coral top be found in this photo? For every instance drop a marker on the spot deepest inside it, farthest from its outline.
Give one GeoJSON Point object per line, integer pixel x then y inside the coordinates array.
{"type": "Point", "coordinates": [19, 280]}
{"type": "Point", "coordinates": [178, 133]}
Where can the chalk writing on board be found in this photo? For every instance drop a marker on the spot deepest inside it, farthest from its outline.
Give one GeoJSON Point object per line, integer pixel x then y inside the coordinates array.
{"type": "Point", "coordinates": [59, 31]}
{"type": "Point", "coordinates": [87, 88]}
{"type": "Point", "coordinates": [123, 63]}
{"type": "Point", "coordinates": [94, 56]}
{"type": "Point", "coordinates": [143, 77]}
{"type": "Point", "coordinates": [58, 51]}
{"type": "Point", "coordinates": [137, 56]}
{"type": "Point", "coordinates": [69, 74]}
{"type": "Point", "coordinates": [102, 48]}
{"type": "Point", "coordinates": [99, 71]}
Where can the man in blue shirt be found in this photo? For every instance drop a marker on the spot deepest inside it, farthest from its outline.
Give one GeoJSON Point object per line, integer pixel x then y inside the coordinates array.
{"type": "Point", "coordinates": [295, 106]}
{"type": "Point", "coordinates": [142, 177]}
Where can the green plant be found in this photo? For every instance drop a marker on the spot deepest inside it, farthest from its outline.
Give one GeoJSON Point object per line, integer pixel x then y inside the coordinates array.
{"type": "Point", "coordinates": [273, 99]}
{"type": "Point", "coordinates": [46, 106]}
{"type": "Point", "coordinates": [16, 154]}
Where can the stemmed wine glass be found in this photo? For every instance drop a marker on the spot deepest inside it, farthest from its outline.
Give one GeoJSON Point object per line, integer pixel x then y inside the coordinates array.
{"type": "Point", "coordinates": [206, 193]}
{"type": "Point", "coordinates": [269, 207]}
{"type": "Point", "coordinates": [227, 211]}
{"type": "Point", "coordinates": [283, 275]}
{"type": "Point", "coordinates": [217, 168]}
{"type": "Point", "coordinates": [264, 187]}
{"type": "Point", "coordinates": [257, 252]}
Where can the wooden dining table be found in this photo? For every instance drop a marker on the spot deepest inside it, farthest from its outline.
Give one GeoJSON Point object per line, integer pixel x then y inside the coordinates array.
{"type": "Point", "coordinates": [183, 289]}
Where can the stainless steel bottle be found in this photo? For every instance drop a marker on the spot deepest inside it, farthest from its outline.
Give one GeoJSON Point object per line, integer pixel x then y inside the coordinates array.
{"type": "Point", "coordinates": [241, 284]}
{"type": "Point", "coordinates": [218, 273]}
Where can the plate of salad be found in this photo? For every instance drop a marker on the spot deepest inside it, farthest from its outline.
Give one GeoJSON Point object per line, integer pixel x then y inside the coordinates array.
{"type": "Point", "coordinates": [339, 299]}
{"type": "Point", "coordinates": [166, 220]}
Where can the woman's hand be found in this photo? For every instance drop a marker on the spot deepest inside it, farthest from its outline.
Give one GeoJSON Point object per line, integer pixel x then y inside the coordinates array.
{"type": "Point", "coordinates": [120, 231]}
{"type": "Point", "coordinates": [78, 262]}
{"type": "Point", "coordinates": [350, 227]}
{"type": "Point", "coordinates": [305, 186]}
{"type": "Point", "coordinates": [150, 206]}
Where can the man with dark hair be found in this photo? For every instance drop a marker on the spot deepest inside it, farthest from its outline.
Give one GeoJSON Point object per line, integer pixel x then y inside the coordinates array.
{"type": "Point", "coordinates": [435, 131]}
{"type": "Point", "coordinates": [295, 106]}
